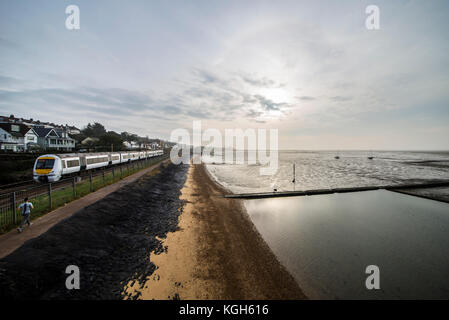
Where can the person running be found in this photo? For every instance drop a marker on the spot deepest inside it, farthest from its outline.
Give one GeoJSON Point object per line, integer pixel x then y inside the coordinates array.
{"type": "Point", "coordinates": [26, 211]}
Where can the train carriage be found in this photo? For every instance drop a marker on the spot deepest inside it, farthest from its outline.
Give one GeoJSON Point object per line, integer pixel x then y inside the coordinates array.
{"type": "Point", "coordinates": [94, 161]}
{"type": "Point", "coordinates": [124, 157]}
{"type": "Point", "coordinates": [115, 158]}
{"type": "Point", "coordinates": [70, 163]}
{"type": "Point", "coordinates": [134, 156]}
{"type": "Point", "coordinates": [52, 167]}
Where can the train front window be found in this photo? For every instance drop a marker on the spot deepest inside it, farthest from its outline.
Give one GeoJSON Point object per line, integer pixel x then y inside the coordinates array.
{"type": "Point", "coordinates": [45, 163]}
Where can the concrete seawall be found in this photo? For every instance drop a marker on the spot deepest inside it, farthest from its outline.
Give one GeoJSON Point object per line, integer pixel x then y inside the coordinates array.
{"type": "Point", "coordinates": [398, 188]}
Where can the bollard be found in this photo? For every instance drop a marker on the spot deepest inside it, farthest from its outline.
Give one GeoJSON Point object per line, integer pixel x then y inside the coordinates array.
{"type": "Point", "coordinates": [113, 174]}
{"type": "Point", "coordinates": [90, 181]}
{"type": "Point", "coordinates": [13, 202]}
{"type": "Point", "coordinates": [121, 172]}
{"type": "Point", "coordinates": [74, 187]}
{"type": "Point", "coordinates": [102, 173]}
{"type": "Point", "coordinates": [49, 196]}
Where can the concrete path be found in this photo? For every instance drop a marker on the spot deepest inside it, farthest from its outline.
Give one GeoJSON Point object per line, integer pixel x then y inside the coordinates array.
{"type": "Point", "coordinates": [13, 240]}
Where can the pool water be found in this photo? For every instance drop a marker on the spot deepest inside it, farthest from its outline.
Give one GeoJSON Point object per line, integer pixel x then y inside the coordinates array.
{"type": "Point", "coordinates": [327, 241]}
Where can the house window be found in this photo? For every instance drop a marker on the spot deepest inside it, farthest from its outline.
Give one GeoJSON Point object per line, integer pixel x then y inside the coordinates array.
{"type": "Point", "coordinates": [15, 128]}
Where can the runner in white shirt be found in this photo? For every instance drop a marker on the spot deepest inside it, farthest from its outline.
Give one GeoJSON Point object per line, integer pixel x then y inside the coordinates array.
{"type": "Point", "coordinates": [26, 211]}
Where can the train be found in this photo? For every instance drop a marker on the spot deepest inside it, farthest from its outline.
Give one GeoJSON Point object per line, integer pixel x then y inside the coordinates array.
{"type": "Point", "coordinates": [52, 167]}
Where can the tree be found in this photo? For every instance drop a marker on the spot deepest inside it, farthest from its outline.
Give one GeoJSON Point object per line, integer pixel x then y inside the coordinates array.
{"type": "Point", "coordinates": [129, 136]}
{"type": "Point", "coordinates": [111, 138]}
{"type": "Point", "coordinates": [95, 130]}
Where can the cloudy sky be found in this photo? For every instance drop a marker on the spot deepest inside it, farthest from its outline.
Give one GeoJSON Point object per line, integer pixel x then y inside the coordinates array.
{"type": "Point", "coordinates": [311, 69]}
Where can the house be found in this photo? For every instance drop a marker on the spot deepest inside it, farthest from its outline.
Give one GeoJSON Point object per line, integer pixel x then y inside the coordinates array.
{"type": "Point", "coordinates": [131, 145]}
{"type": "Point", "coordinates": [72, 130]}
{"type": "Point", "coordinates": [56, 139]}
{"type": "Point", "coordinates": [90, 141]}
{"type": "Point", "coordinates": [16, 137]}
{"type": "Point", "coordinates": [31, 122]}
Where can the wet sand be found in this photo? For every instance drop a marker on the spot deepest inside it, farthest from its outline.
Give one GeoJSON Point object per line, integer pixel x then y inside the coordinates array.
{"type": "Point", "coordinates": [216, 253]}
{"type": "Point", "coordinates": [438, 194]}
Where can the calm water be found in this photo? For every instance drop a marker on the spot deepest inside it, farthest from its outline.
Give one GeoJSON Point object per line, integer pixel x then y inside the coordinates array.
{"type": "Point", "coordinates": [327, 241]}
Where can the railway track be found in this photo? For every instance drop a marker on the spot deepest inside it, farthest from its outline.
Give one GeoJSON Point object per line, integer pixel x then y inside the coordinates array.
{"type": "Point", "coordinates": [33, 189]}
{"type": "Point", "coordinates": [10, 187]}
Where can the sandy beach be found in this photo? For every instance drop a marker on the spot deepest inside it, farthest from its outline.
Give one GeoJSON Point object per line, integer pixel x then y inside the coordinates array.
{"type": "Point", "coordinates": [216, 253]}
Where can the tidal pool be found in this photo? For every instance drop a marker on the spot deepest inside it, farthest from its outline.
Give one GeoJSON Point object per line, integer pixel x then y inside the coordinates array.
{"type": "Point", "coordinates": [327, 241]}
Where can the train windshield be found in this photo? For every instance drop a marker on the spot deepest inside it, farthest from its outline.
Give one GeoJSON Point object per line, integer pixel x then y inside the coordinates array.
{"type": "Point", "coordinates": [45, 163]}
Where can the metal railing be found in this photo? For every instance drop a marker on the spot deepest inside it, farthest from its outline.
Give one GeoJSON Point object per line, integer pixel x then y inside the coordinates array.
{"type": "Point", "coordinates": [52, 195]}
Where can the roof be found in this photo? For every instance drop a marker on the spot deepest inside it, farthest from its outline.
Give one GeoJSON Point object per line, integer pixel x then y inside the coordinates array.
{"type": "Point", "coordinates": [23, 129]}
{"type": "Point", "coordinates": [76, 155]}
{"type": "Point", "coordinates": [42, 132]}
{"type": "Point", "coordinates": [89, 139]}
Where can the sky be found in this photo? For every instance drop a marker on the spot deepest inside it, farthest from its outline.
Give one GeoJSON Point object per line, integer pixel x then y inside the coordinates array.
{"type": "Point", "coordinates": [310, 69]}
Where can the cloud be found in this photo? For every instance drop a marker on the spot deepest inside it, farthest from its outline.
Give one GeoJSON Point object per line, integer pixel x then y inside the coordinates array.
{"type": "Point", "coordinates": [227, 65]}
{"type": "Point", "coordinates": [259, 82]}
{"type": "Point", "coordinates": [4, 80]}
{"type": "Point", "coordinates": [5, 43]}
{"type": "Point", "coordinates": [111, 101]}
{"type": "Point", "coordinates": [306, 98]}
{"type": "Point", "coordinates": [268, 104]}
{"type": "Point", "coordinates": [206, 76]}
{"type": "Point", "coordinates": [253, 114]}
{"type": "Point", "coordinates": [340, 98]}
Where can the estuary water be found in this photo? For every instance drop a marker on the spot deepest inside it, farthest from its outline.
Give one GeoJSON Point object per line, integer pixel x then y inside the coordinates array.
{"type": "Point", "coordinates": [320, 169]}
{"type": "Point", "coordinates": [327, 241]}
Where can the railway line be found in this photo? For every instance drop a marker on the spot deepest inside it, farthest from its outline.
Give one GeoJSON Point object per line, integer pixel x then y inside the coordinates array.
{"type": "Point", "coordinates": [16, 193]}
{"type": "Point", "coordinates": [54, 168]}
{"type": "Point", "coordinates": [31, 184]}
{"type": "Point", "coordinates": [11, 187]}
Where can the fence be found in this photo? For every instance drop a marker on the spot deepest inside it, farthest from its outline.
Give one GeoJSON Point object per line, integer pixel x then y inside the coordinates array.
{"type": "Point", "coordinates": [52, 195]}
